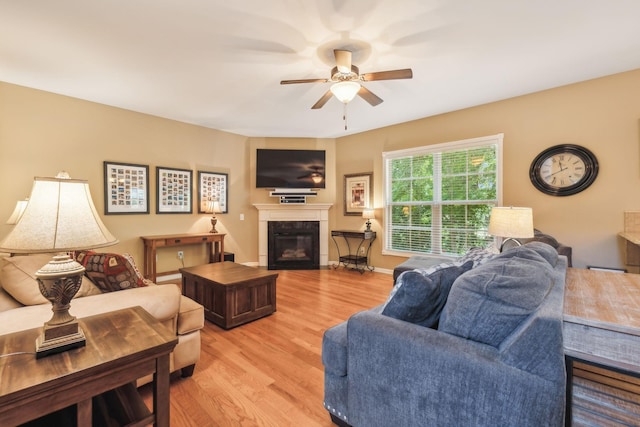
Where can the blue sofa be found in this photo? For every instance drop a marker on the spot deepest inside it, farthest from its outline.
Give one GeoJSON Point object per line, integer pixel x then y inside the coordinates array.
{"type": "Point", "coordinates": [492, 357]}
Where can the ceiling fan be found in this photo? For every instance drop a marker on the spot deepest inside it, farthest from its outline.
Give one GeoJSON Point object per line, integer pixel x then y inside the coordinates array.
{"type": "Point", "coordinates": [347, 81]}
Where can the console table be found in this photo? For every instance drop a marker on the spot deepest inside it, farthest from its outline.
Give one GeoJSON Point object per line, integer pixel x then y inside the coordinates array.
{"type": "Point", "coordinates": [152, 243]}
{"type": "Point", "coordinates": [122, 346]}
{"type": "Point", "coordinates": [602, 332]}
{"type": "Point", "coordinates": [359, 260]}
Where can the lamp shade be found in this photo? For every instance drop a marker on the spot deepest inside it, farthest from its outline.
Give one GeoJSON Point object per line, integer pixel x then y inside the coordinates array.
{"type": "Point", "coordinates": [511, 222]}
{"type": "Point", "coordinates": [368, 214]}
{"type": "Point", "coordinates": [17, 212]}
{"type": "Point", "coordinates": [59, 217]}
{"type": "Point", "coordinates": [213, 207]}
{"type": "Point", "coordinates": [345, 91]}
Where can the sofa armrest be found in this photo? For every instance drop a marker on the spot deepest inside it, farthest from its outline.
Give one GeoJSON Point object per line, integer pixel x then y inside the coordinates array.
{"type": "Point", "coordinates": [190, 316]}
{"type": "Point", "coordinates": [433, 378]}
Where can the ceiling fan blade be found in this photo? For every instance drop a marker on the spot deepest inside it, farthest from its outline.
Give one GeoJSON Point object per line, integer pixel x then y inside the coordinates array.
{"type": "Point", "coordinates": [343, 60]}
{"type": "Point", "coordinates": [290, 82]}
{"type": "Point", "coordinates": [327, 96]}
{"type": "Point", "coordinates": [388, 75]}
{"type": "Point", "coordinates": [369, 96]}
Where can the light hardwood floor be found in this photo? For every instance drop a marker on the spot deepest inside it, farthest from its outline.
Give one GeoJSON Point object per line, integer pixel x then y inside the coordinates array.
{"type": "Point", "coordinates": [269, 372]}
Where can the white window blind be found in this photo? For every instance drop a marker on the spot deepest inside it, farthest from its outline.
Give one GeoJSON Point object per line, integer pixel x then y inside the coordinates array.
{"type": "Point", "coordinates": [438, 198]}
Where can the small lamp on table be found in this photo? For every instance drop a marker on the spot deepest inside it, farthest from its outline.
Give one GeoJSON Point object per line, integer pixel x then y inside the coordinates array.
{"type": "Point", "coordinates": [59, 217]}
{"type": "Point", "coordinates": [213, 206]}
{"type": "Point", "coordinates": [511, 224]}
{"type": "Point", "coordinates": [368, 214]}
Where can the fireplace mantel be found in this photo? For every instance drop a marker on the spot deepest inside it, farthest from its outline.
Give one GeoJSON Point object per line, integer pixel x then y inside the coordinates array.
{"type": "Point", "coordinates": [292, 212]}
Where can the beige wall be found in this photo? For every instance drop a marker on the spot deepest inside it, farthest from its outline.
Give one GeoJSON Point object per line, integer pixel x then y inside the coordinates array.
{"type": "Point", "coordinates": [602, 115]}
{"type": "Point", "coordinates": [42, 133]}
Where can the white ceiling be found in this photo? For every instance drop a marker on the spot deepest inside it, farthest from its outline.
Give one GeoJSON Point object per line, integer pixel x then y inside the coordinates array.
{"type": "Point", "coordinates": [219, 63]}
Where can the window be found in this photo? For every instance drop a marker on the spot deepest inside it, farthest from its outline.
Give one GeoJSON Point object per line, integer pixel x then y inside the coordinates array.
{"type": "Point", "coordinates": [438, 198]}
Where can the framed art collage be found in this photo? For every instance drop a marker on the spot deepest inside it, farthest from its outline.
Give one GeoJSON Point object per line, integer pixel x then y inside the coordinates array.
{"type": "Point", "coordinates": [126, 188]}
{"type": "Point", "coordinates": [212, 186]}
{"type": "Point", "coordinates": [173, 190]}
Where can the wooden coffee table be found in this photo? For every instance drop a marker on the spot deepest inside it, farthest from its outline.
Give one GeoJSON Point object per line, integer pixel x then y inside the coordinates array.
{"type": "Point", "coordinates": [232, 294]}
{"type": "Point", "coordinates": [122, 346]}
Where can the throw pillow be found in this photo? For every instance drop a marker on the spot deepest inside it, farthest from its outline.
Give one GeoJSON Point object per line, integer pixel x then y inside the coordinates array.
{"type": "Point", "coordinates": [487, 303]}
{"type": "Point", "coordinates": [18, 278]}
{"type": "Point", "coordinates": [421, 297]}
{"type": "Point", "coordinates": [547, 252]}
{"type": "Point", "coordinates": [424, 271]}
{"type": "Point", "coordinates": [109, 272]}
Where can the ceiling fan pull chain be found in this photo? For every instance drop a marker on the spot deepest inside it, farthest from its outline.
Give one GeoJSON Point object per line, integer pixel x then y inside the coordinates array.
{"type": "Point", "coordinates": [344, 116]}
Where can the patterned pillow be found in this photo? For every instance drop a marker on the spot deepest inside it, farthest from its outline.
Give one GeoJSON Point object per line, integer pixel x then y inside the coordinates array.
{"type": "Point", "coordinates": [110, 272]}
{"type": "Point", "coordinates": [478, 255]}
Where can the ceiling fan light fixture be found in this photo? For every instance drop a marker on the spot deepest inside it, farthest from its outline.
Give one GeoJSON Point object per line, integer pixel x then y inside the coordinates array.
{"type": "Point", "coordinates": [345, 91]}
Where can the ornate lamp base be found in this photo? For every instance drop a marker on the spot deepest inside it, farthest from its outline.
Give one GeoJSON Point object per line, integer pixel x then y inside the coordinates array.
{"type": "Point", "coordinates": [59, 281]}
{"type": "Point", "coordinates": [214, 221]}
{"type": "Point", "coordinates": [57, 344]}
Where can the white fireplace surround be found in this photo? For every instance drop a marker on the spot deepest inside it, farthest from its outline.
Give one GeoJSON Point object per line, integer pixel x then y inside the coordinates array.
{"type": "Point", "coordinates": [291, 212]}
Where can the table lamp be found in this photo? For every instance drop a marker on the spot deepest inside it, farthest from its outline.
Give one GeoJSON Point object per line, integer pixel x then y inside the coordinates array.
{"type": "Point", "coordinates": [59, 217]}
{"type": "Point", "coordinates": [511, 224]}
{"type": "Point", "coordinates": [213, 207]}
{"type": "Point", "coordinates": [368, 214]}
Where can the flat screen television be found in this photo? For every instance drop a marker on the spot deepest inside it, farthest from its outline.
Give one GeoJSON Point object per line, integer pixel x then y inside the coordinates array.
{"type": "Point", "coordinates": [290, 168]}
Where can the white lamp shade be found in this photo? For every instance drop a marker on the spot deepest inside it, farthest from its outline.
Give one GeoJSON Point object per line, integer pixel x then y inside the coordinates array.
{"type": "Point", "coordinates": [368, 214]}
{"type": "Point", "coordinates": [511, 222]}
{"type": "Point", "coordinates": [213, 207]}
{"type": "Point", "coordinates": [345, 91]}
{"type": "Point", "coordinates": [17, 212]}
{"type": "Point", "coordinates": [59, 217]}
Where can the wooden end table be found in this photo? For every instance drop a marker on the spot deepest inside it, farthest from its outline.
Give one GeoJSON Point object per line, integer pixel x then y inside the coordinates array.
{"type": "Point", "coordinates": [232, 294]}
{"type": "Point", "coordinates": [601, 323]}
{"type": "Point", "coordinates": [122, 346]}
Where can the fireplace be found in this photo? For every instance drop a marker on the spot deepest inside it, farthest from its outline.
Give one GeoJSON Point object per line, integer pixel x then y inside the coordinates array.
{"type": "Point", "coordinates": [293, 245]}
{"type": "Point", "coordinates": [318, 212]}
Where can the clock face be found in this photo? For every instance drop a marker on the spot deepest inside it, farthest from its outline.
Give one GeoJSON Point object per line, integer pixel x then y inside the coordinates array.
{"type": "Point", "coordinates": [563, 170]}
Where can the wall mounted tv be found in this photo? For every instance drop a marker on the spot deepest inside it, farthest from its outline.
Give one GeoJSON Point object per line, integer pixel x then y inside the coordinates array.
{"type": "Point", "coordinates": [290, 168]}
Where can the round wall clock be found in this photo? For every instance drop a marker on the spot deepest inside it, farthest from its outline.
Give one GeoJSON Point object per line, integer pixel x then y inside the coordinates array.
{"type": "Point", "coordinates": [563, 170]}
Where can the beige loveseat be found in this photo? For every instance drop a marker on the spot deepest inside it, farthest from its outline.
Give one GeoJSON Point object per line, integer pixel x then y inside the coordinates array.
{"type": "Point", "coordinates": [23, 307]}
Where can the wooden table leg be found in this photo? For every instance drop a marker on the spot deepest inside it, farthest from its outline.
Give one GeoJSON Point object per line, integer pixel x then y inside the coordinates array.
{"type": "Point", "coordinates": [161, 391]}
{"type": "Point", "coordinates": [568, 416]}
{"type": "Point", "coordinates": [84, 416]}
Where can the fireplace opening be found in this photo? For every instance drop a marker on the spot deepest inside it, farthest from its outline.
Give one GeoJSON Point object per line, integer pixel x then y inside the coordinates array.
{"type": "Point", "coordinates": [294, 245]}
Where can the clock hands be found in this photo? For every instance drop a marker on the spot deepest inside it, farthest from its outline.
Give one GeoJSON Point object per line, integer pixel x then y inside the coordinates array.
{"type": "Point", "coordinates": [561, 169]}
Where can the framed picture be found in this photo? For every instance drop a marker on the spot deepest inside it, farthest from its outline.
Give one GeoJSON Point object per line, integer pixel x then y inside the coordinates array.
{"type": "Point", "coordinates": [358, 189]}
{"type": "Point", "coordinates": [174, 190]}
{"type": "Point", "coordinates": [126, 188]}
{"type": "Point", "coordinates": [213, 186]}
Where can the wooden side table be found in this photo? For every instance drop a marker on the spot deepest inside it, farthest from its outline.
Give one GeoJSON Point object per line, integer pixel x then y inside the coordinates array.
{"type": "Point", "coordinates": [214, 242]}
{"type": "Point", "coordinates": [601, 326]}
{"type": "Point", "coordinates": [122, 346]}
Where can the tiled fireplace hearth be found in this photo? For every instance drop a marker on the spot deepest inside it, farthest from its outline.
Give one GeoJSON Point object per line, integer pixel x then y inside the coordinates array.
{"type": "Point", "coordinates": [317, 212]}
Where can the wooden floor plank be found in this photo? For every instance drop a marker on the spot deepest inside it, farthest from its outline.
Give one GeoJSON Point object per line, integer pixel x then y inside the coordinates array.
{"type": "Point", "coordinates": [269, 372]}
